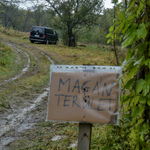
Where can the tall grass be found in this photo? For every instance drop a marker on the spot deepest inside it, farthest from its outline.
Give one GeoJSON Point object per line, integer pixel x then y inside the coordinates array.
{"type": "Point", "coordinates": [7, 59]}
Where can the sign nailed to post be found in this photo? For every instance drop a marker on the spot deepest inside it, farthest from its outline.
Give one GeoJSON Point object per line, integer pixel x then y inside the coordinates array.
{"type": "Point", "coordinates": [84, 94]}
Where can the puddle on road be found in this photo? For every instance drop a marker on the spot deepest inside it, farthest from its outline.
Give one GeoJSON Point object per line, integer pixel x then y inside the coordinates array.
{"type": "Point", "coordinates": [6, 141]}
{"type": "Point", "coordinates": [58, 137]}
{"type": "Point", "coordinates": [21, 116]}
{"type": "Point", "coordinates": [18, 123]}
{"type": "Point", "coordinates": [73, 145]}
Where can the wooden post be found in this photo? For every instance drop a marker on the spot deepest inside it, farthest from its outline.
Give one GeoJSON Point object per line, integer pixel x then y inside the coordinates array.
{"type": "Point", "coordinates": [84, 137]}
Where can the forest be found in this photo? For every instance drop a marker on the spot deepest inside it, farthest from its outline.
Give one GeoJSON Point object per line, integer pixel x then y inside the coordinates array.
{"type": "Point", "coordinates": [87, 30]}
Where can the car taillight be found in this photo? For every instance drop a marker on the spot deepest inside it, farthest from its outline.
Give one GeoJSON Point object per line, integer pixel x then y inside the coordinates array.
{"type": "Point", "coordinates": [43, 36]}
{"type": "Point", "coordinates": [30, 34]}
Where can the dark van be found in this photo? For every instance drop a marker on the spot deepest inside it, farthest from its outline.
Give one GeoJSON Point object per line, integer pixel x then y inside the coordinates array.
{"type": "Point", "coordinates": [43, 35]}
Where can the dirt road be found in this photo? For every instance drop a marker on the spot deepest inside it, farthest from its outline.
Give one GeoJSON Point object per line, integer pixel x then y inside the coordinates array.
{"type": "Point", "coordinates": [26, 104]}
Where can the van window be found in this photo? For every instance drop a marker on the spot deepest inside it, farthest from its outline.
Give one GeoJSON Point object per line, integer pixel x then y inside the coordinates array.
{"type": "Point", "coordinates": [51, 31]}
{"type": "Point", "coordinates": [47, 31]}
{"type": "Point", "coordinates": [37, 29]}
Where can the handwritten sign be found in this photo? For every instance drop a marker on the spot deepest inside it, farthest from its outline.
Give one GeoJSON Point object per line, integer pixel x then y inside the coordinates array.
{"type": "Point", "coordinates": [84, 96]}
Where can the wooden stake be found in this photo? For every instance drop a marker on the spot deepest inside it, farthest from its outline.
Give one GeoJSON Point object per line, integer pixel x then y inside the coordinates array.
{"type": "Point", "coordinates": [84, 137]}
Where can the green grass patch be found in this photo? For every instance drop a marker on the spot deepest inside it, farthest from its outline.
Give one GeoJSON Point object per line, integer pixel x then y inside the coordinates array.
{"type": "Point", "coordinates": [7, 59]}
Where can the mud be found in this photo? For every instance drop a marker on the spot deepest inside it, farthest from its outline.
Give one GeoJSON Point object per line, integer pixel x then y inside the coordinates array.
{"type": "Point", "coordinates": [15, 120]}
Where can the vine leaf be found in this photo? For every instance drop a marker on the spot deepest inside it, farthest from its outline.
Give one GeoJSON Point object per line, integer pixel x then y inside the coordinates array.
{"type": "Point", "coordinates": [134, 101]}
{"type": "Point", "coordinates": [141, 32]}
{"type": "Point", "coordinates": [148, 78]}
{"type": "Point", "coordinates": [146, 88]}
{"type": "Point", "coordinates": [128, 41]}
{"type": "Point", "coordinates": [148, 102]}
{"type": "Point", "coordinates": [129, 83]}
{"type": "Point", "coordinates": [108, 41]}
{"type": "Point", "coordinates": [133, 70]}
{"type": "Point", "coordinates": [140, 85]}
{"type": "Point", "coordinates": [137, 111]}
{"type": "Point", "coordinates": [139, 62]}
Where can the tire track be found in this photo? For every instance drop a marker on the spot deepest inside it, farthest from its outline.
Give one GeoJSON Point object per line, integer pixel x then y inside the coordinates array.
{"type": "Point", "coordinates": [21, 121]}
{"type": "Point", "coordinates": [30, 53]}
{"type": "Point", "coordinates": [25, 69]}
{"type": "Point", "coordinates": [31, 48]}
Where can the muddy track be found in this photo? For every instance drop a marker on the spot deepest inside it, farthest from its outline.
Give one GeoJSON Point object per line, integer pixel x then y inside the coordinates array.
{"type": "Point", "coordinates": [17, 118]}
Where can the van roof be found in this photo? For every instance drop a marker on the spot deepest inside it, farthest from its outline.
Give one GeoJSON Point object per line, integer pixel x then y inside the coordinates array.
{"type": "Point", "coordinates": [42, 27]}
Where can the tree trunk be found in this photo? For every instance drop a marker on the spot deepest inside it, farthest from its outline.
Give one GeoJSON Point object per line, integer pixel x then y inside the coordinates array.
{"type": "Point", "coordinates": [71, 38]}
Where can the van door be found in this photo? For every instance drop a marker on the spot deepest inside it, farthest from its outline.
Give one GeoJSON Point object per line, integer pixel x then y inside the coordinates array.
{"type": "Point", "coordinates": [52, 35]}
{"type": "Point", "coordinates": [55, 36]}
{"type": "Point", "coordinates": [37, 32]}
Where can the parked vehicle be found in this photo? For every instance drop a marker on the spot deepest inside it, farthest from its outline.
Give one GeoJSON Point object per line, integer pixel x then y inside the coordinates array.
{"type": "Point", "coordinates": [43, 34]}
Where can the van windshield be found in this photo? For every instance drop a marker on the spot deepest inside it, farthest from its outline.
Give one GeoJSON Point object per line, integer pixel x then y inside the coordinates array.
{"type": "Point", "coordinates": [38, 30]}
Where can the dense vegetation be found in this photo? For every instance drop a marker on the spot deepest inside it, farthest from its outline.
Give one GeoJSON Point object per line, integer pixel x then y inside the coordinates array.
{"type": "Point", "coordinates": [132, 25]}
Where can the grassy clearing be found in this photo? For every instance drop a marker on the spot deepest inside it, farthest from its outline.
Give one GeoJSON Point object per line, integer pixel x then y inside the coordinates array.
{"type": "Point", "coordinates": [104, 137]}
{"type": "Point", "coordinates": [78, 55]}
{"type": "Point", "coordinates": [82, 54]}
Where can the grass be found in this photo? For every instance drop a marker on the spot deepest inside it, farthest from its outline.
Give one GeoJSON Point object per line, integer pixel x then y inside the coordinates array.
{"type": "Point", "coordinates": [7, 60]}
{"type": "Point", "coordinates": [39, 138]}
{"type": "Point", "coordinates": [28, 84]}
{"type": "Point", "coordinates": [89, 54]}
{"type": "Point", "coordinates": [79, 56]}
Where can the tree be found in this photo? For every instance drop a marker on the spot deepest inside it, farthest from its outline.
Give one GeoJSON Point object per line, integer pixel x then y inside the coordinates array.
{"type": "Point", "coordinates": [4, 2]}
{"type": "Point", "coordinates": [9, 20]}
{"type": "Point", "coordinates": [40, 14]}
{"type": "Point", "coordinates": [11, 15]}
{"type": "Point", "coordinates": [74, 14]}
{"type": "Point", "coordinates": [104, 23]}
{"type": "Point", "coordinates": [97, 33]}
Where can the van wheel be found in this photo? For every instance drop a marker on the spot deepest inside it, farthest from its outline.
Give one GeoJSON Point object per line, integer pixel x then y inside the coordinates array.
{"type": "Point", "coordinates": [32, 41]}
{"type": "Point", "coordinates": [56, 42]}
{"type": "Point", "coordinates": [47, 42]}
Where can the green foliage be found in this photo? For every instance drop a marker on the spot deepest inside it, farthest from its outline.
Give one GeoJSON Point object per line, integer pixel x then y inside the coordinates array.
{"type": "Point", "coordinates": [97, 33]}
{"type": "Point", "coordinates": [132, 26]}
{"type": "Point", "coordinates": [73, 15]}
{"type": "Point", "coordinates": [20, 19]}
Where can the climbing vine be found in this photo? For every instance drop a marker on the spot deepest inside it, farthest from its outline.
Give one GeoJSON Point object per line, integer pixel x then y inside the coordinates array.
{"type": "Point", "coordinates": [132, 28]}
